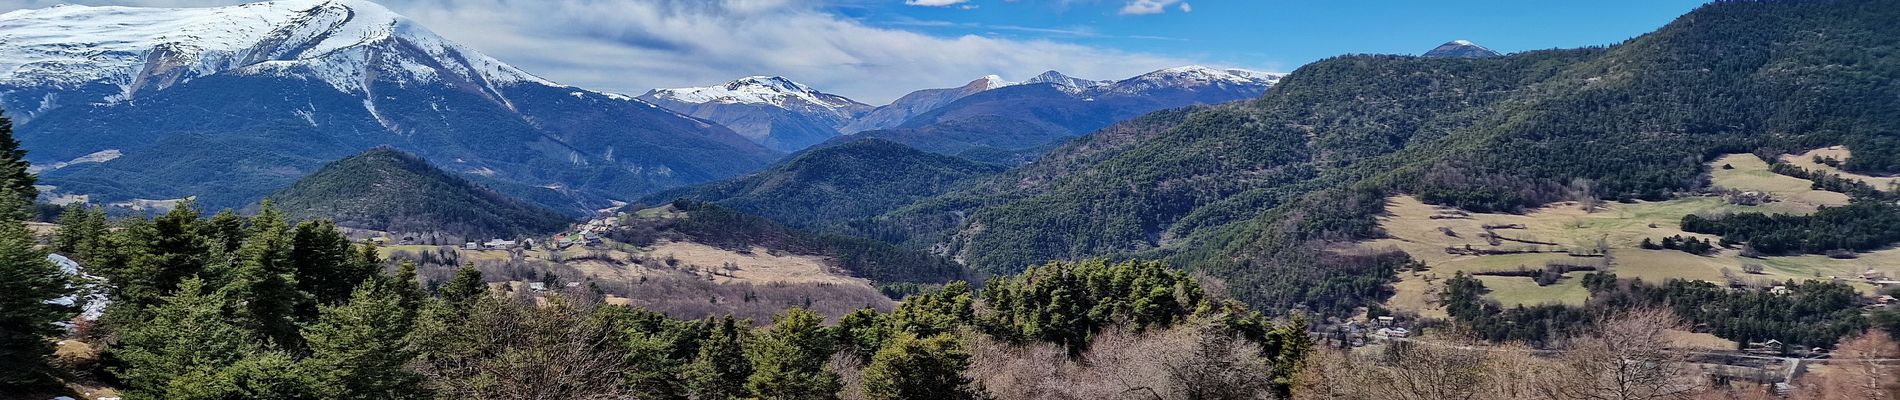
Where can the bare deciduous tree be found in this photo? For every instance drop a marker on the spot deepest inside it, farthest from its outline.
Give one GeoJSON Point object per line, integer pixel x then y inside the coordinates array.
{"type": "Point", "coordinates": [1625, 358]}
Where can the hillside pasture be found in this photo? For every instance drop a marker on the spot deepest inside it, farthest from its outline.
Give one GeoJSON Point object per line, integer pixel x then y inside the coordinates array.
{"type": "Point", "coordinates": [1805, 160]}
{"type": "Point", "coordinates": [1450, 241]}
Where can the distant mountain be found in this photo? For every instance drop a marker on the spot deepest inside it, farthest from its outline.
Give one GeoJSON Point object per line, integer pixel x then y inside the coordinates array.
{"type": "Point", "coordinates": [1001, 125]}
{"type": "Point", "coordinates": [387, 190]}
{"type": "Point", "coordinates": [1068, 83]}
{"type": "Point", "coordinates": [853, 180]}
{"type": "Point", "coordinates": [1460, 49]}
{"type": "Point", "coordinates": [920, 102]}
{"type": "Point", "coordinates": [772, 111]}
{"type": "Point", "coordinates": [231, 103]}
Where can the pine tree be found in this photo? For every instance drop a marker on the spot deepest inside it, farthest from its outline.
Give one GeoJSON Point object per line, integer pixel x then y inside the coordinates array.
{"type": "Point", "coordinates": [160, 253]}
{"type": "Point", "coordinates": [83, 234]}
{"type": "Point", "coordinates": [27, 282]}
{"type": "Point", "coordinates": [183, 347]}
{"type": "Point", "coordinates": [358, 349]}
{"type": "Point", "coordinates": [788, 360]}
{"type": "Point", "coordinates": [406, 284]}
{"type": "Point", "coordinates": [225, 231]}
{"type": "Point", "coordinates": [327, 265]}
{"type": "Point", "coordinates": [264, 287]}
{"type": "Point", "coordinates": [463, 288]}
{"type": "Point", "coordinates": [15, 178]}
{"type": "Point", "coordinates": [720, 369]}
{"type": "Point", "coordinates": [912, 368]}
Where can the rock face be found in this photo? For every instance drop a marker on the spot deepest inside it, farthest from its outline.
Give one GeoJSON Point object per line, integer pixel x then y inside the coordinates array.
{"type": "Point", "coordinates": [1460, 49]}
{"type": "Point", "coordinates": [773, 111]}
{"type": "Point", "coordinates": [231, 103]}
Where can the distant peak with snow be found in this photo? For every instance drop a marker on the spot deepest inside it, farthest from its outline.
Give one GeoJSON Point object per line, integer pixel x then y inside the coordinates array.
{"type": "Point", "coordinates": [1194, 76]}
{"type": "Point", "coordinates": [768, 90]}
{"type": "Point", "coordinates": [1460, 49]}
{"type": "Point", "coordinates": [1066, 82]}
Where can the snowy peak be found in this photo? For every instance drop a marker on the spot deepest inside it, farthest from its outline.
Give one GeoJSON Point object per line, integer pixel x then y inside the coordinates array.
{"type": "Point", "coordinates": [987, 82]}
{"type": "Point", "coordinates": [767, 90]}
{"type": "Point", "coordinates": [1066, 82]}
{"type": "Point", "coordinates": [1460, 49]}
{"type": "Point", "coordinates": [1192, 77]}
{"type": "Point", "coordinates": [341, 42]}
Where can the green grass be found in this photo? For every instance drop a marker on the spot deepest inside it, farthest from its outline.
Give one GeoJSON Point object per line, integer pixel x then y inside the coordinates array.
{"type": "Point", "coordinates": [1511, 291]}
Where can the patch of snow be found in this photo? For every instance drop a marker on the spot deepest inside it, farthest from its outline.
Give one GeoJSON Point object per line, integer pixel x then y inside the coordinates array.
{"type": "Point", "coordinates": [87, 288]}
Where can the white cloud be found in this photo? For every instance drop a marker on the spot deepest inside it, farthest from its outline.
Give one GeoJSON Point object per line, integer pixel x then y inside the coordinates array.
{"type": "Point", "coordinates": [632, 46]}
{"type": "Point", "coordinates": [1146, 7]}
{"type": "Point", "coordinates": [934, 3]}
{"type": "Point", "coordinates": [1186, 8]}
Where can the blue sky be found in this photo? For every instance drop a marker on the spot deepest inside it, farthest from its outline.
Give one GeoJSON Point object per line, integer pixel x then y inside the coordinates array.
{"type": "Point", "coordinates": [877, 50]}
{"type": "Point", "coordinates": [1281, 35]}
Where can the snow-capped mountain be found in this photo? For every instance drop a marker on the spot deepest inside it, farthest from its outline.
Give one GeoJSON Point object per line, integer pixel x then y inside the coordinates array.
{"type": "Point", "coordinates": [230, 103]}
{"type": "Point", "coordinates": [1460, 49]}
{"type": "Point", "coordinates": [920, 102]}
{"type": "Point", "coordinates": [772, 111]}
{"type": "Point", "coordinates": [1066, 82]}
{"type": "Point", "coordinates": [1193, 78]}
{"type": "Point", "coordinates": [143, 50]}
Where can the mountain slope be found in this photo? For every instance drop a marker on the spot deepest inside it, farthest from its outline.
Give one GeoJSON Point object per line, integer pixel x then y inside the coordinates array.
{"type": "Point", "coordinates": [1254, 192]}
{"type": "Point", "coordinates": [772, 111]}
{"type": "Point", "coordinates": [1054, 107]}
{"type": "Point", "coordinates": [231, 103]}
{"type": "Point", "coordinates": [833, 184]}
{"type": "Point", "coordinates": [387, 190]}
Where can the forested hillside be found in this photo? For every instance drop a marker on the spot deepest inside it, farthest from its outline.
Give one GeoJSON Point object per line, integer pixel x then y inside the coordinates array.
{"type": "Point", "coordinates": [826, 185]}
{"type": "Point", "coordinates": [1252, 192]}
{"type": "Point", "coordinates": [387, 190]}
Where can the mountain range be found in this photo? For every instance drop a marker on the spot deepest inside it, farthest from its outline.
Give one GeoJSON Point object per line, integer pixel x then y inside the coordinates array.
{"type": "Point", "coordinates": [988, 119]}
{"type": "Point", "coordinates": [228, 104]}
{"type": "Point", "coordinates": [1015, 123]}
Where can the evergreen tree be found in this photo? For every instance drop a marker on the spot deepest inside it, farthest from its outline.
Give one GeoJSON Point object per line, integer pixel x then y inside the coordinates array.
{"type": "Point", "coordinates": [15, 179]}
{"type": "Point", "coordinates": [225, 230]}
{"type": "Point", "coordinates": [267, 375]}
{"type": "Point", "coordinates": [27, 282]}
{"type": "Point", "coordinates": [788, 359]}
{"type": "Point", "coordinates": [407, 285]}
{"type": "Point", "coordinates": [862, 332]}
{"type": "Point", "coordinates": [358, 349]}
{"type": "Point", "coordinates": [912, 368]}
{"type": "Point", "coordinates": [181, 350]}
{"type": "Point", "coordinates": [160, 253]}
{"type": "Point", "coordinates": [327, 265]}
{"type": "Point", "coordinates": [264, 287]}
{"type": "Point", "coordinates": [83, 234]}
{"type": "Point", "coordinates": [463, 288]}
{"type": "Point", "coordinates": [720, 369]}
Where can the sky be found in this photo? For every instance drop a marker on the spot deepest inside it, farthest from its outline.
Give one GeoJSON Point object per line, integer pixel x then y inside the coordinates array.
{"type": "Point", "coordinates": [877, 50]}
